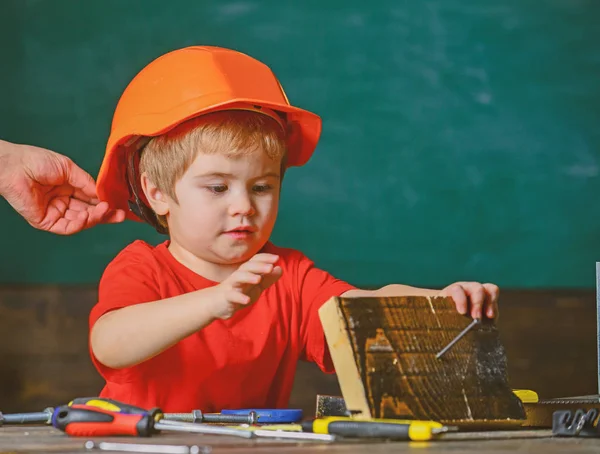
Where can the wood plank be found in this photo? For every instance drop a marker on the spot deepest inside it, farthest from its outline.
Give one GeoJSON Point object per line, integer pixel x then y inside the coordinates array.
{"type": "Point", "coordinates": [384, 350]}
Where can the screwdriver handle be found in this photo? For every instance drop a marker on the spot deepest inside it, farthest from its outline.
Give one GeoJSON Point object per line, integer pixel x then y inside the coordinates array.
{"type": "Point", "coordinates": [89, 421]}
{"type": "Point", "coordinates": [369, 430]}
{"type": "Point", "coordinates": [416, 431]}
{"type": "Point", "coordinates": [107, 404]}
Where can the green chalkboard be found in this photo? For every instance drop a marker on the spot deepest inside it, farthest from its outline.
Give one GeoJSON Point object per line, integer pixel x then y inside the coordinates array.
{"type": "Point", "coordinates": [461, 137]}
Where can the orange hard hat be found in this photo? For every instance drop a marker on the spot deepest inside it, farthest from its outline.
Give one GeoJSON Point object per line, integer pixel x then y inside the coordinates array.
{"type": "Point", "coordinates": [183, 84]}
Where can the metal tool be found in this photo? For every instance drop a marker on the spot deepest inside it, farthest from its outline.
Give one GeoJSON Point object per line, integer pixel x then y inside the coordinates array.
{"type": "Point", "coordinates": [288, 431]}
{"type": "Point", "coordinates": [269, 415]}
{"type": "Point", "coordinates": [136, 447]}
{"type": "Point", "coordinates": [290, 435]}
{"type": "Point", "coordinates": [396, 429]}
{"type": "Point", "coordinates": [197, 416]}
{"type": "Point", "coordinates": [581, 423]}
{"type": "Point", "coordinates": [90, 421]}
{"type": "Point", "coordinates": [189, 427]}
{"type": "Point", "coordinates": [40, 417]}
{"type": "Point", "coordinates": [474, 323]}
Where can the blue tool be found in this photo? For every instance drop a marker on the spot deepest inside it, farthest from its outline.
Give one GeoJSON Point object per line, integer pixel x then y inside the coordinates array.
{"type": "Point", "coordinates": [266, 415]}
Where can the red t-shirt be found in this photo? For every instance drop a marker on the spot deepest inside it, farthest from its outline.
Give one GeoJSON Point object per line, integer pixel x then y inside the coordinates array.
{"type": "Point", "coordinates": [248, 361]}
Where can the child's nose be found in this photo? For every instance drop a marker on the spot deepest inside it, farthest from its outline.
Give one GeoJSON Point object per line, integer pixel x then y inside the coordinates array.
{"type": "Point", "coordinates": [242, 205]}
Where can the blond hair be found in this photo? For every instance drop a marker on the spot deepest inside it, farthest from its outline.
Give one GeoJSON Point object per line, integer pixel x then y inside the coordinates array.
{"type": "Point", "coordinates": [232, 133]}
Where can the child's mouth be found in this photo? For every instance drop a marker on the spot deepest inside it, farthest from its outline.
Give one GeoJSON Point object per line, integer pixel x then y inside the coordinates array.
{"type": "Point", "coordinates": [240, 233]}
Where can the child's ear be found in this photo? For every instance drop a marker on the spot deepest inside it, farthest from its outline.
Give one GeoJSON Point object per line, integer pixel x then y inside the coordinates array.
{"type": "Point", "coordinates": [156, 198]}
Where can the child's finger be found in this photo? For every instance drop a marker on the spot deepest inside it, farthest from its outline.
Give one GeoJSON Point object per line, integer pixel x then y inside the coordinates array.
{"type": "Point", "coordinates": [457, 293]}
{"type": "Point", "coordinates": [265, 258]}
{"type": "Point", "coordinates": [237, 297]}
{"type": "Point", "coordinates": [277, 271]}
{"type": "Point", "coordinates": [477, 298]}
{"type": "Point", "coordinates": [245, 277]}
{"type": "Point", "coordinates": [271, 278]}
{"type": "Point", "coordinates": [257, 267]}
{"type": "Point", "coordinates": [493, 293]}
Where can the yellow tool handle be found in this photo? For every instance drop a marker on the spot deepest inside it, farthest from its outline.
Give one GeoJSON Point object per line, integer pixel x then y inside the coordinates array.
{"type": "Point", "coordinates": [107, 404]}
{"type": "Point", "coordinates": [432, 424]}
{"type": "Point", "coordinates": [352, 428]}
{"type": "Point", "coordinates": [415, 430]}
{"type": "Point", "coordinates": [526, 395]}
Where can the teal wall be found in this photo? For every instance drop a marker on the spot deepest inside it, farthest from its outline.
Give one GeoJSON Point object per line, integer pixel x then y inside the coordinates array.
{"type": "Point", "coordinates": [461, 138]}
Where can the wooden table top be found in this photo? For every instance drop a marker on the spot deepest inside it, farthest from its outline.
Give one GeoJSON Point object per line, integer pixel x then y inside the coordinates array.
{"type": "Point", "coordinates": [38, 439]}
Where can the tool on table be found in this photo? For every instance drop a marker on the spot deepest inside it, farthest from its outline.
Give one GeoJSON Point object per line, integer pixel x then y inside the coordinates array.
{"type": "Point", "coordinates": [527, 396]}
{"type": "Point", "coordinates": [286, 427]}
{"type": "Point", "coordinates": [291, 435]}
{"type": "Point", "coordinates": [414, 430]}
{"type": "Point", "coordinates": [84, 420]}
{"type": "Point", "coordinates": [580, 423]}
{"type": "Point", "coordinates": [265, 415]}
{"type": "Point", "coordinates": [87, 420]}
{"type": "Point", "coordinates": [288, 431]}
{"type": "Point", "coordinates": [474, 323]}
{"type": "Point", "coordinates": [196, 416]}
{"type": "Point", "coordinates": [136, 447]}
{"type": "Point", "coordinates": [40, 417]}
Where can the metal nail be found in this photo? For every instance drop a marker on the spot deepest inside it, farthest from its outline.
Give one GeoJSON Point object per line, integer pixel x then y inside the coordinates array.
{"type": "Point", "coordinates": [441, 353]}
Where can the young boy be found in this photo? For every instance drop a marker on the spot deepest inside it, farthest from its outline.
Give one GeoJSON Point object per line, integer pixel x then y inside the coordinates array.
{"type": "Point", "coordinates": [217, 316]}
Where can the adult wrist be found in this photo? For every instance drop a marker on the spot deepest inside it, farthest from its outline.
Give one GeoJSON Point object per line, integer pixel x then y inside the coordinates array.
{"type": "Point", "coordinates": [7, 152]}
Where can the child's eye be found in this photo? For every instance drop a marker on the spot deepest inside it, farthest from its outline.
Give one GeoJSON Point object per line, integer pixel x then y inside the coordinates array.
{"type": "Point", "coordinates": [217, 189]}
{"type": "Point", "coordinates": [262, 188]}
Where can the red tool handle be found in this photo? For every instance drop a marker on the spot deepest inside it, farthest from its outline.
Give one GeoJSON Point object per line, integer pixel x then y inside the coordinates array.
{"type": "Point", "coordinates": [88, 421]}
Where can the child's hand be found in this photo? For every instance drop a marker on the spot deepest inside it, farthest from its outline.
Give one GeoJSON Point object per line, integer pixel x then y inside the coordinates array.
{"type": "Point", "coordinates": [245, 285]}
{"type": "Point", "coordinates": [474, 298]}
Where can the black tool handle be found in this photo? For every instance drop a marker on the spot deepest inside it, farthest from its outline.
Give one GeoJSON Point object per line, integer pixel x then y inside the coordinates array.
{"type": "Point", "coordinates": [365, 429]}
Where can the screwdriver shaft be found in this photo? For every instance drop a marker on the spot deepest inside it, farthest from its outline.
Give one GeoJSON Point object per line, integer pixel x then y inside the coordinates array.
{"type": "Point", "coordinates": [200, 429]}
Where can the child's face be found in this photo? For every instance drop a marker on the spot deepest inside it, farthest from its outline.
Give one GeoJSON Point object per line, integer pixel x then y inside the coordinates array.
{"type": "Point", "coordinates": [226, 207]}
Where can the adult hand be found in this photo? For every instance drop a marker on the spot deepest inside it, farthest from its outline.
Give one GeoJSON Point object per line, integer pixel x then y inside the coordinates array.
{"type": "Point", "coordinates": [50, 191]}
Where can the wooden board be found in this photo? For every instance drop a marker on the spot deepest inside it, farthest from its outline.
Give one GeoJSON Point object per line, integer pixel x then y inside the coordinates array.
{"type": "Point", "coordinates": [384, 351]}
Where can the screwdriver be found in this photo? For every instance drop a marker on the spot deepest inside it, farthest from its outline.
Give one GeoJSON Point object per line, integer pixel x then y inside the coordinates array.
{"type": "Point", "coordinates": [376, 428]}
{"type": "Point", "coordinates": [90, 421]}
{"type": "Point", "coordinates": [194, 416]}
{"type": "Point", "coordinates": [45, 416]}
{"type": "Point", "coordinates": [39, 417]}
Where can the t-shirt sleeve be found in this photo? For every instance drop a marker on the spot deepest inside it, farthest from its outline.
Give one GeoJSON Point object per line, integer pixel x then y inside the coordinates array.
{"type": "Point", "coordinates": [315, 288]}
{"type": "Point", "coordinates": [128, 280]}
